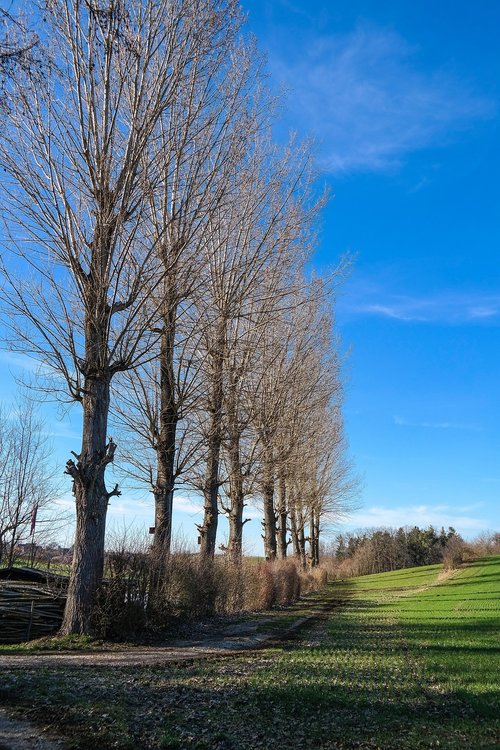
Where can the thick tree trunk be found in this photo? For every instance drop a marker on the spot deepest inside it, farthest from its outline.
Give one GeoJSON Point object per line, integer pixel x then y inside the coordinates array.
{"type": "Point", "coordinates": [235, 541]}
{"type": "Point", "coordinates": [166, 444]}
{"type": "Point", "coordinates": [298, 534]}
{"type": "Point", "coordinates": [91, 506]}
{"type": "Point", "coordinates": [282, 518]}
{"type": "Point", "coordinates": [316, 538]}
{"type": "Point", "coordinates": [302, 545]}
{"type": "Point", "coordinates": [208, 529]}
{"type": "Point", "coordinates": [164, 500]}
{"type": "Point", "coordinates": [313, 539]}
{"type": "Point", "coordinates": [234, 548]}
{"type": "Point", "coordinates": [294, 532]}
{"type": "Point", "coordinates": [269, 512]}
{"type": "Point", "coordinates": [236, 502]}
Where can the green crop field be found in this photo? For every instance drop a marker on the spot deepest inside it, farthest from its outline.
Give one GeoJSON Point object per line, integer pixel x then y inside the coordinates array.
{"type": "Point", "coordinates": [409, 659]}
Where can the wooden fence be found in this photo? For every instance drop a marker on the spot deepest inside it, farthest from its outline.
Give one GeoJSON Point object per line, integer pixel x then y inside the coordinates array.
{"type": "Point", "coordinates": [29, 610]}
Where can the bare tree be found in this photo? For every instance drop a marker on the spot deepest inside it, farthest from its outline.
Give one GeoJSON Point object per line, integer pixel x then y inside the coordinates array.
{"type": "Point", "coordinates": [203, 137]}
{"type": "Point", "coordinates": [80, 154]}
{"type": "Point", "coordinates": [251, 256]}
{"type": "Point", "coordinates": [299, 382]}
{"type": "Point", "coordinates": [316, 482]}
{"type": "Point", "coordinates": [28, 485]}
{"type": "Point", "coordinates": [18, 47]}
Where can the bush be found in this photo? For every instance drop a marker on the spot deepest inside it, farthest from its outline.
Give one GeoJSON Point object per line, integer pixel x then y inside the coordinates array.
{"type": "Point", "coordinates": [453, 553]}
{"type": "Point", "coordinates": [140, 594]}
{"type": "Point", "coordinates": [487, 543]}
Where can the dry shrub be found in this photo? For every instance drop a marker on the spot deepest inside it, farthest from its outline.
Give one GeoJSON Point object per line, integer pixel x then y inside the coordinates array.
{"type": "Point", "coordinates": [348, 568]}
{"type": "Point", "coordinates": [259, 590]}
{"type": "Point", "coordinates": [453, 553]}
{"type": "Point", "coordinates": [487, 543]}
{"type": "Point", "coordinates": [268, 585]}
{"type": "Point", "coordinates": [185, 588]}
{"type": "Point", "coordinates": [145, 594]}
{"type": "Point", "coordinates": [287, 582]}
{"type": "Point", "coordinates": [231, 592]}
{"type": "Point", "coordinates": [120, 608]}
{"type": "Point", "coordinates": [331, 567]}
{"type": "Point", "coordinates": [313, 579]}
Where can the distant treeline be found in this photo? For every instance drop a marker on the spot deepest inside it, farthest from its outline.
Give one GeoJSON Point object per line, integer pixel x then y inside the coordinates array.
{"type": "Point", "coordinates": [381, 550]}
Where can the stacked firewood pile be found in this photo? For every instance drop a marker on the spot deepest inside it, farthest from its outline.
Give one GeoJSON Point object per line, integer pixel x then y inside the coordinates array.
{"type": "Point", "coordinates": [29, 609]}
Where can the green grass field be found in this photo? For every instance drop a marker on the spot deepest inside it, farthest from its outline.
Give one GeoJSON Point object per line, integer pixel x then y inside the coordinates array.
{"type": "Point", "coordinates": [409, 660]}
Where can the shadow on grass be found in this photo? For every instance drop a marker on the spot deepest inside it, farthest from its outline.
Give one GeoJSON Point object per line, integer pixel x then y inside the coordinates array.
{"type": "Point", "coordinates": [292, 701]}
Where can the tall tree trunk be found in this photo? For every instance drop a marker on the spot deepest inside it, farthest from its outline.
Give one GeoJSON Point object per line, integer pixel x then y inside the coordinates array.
{"type": "Point", "coordinates": [282, 518]}
{"type": "Point", "coordinates": [208, 529]}
{"type": "Point", "coordinates": [236, 501]}
{"type": "Point", "coordinates": [313, 539]}
{"type": "Point", "coordinates": [91, 506]}
{"type": "Point", "coordinates": [316, 538]}
{"type": "Point", "coordinates": [269, 512]}
{"type": "Point", "coordinates": [166, 444]}
{"type": "Point", "coordinates": [298, 534]}
{"type": "Point", "coordinates": [294, 531]}
{"type": "Point", "coordinates": [236, 493]}
{"type": "Point", "coordinates": [302, 545]}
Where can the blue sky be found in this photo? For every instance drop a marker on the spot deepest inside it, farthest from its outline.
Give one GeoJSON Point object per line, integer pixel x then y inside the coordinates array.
{"type": "Point", "coordinates": [403, 102]}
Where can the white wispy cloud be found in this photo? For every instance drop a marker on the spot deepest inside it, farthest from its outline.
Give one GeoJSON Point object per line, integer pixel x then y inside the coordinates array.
{"type": "Point", "coordinates": [192, 505]}
{"type": "Point", "coordinates": [20, 361]}
{"type": "Point", "coordinates": [369, 102]}
{"type": "Point", "coordinates": [63, 431]}
{"type": "Point", "coordinates": [376, 299]}
{"type": "Point", "coordinates": [421, 515]}
{"type": "Point", "coordinates": [402, 422]}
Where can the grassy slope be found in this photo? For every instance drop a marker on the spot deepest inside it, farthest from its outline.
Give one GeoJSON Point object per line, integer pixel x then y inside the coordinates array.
{"type": "Point", "coordinates": [411, 661]}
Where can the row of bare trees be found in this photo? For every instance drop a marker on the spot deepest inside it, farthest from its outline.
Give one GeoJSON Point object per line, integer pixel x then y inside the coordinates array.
{"type": "Point", "coordinates": [156, 241]}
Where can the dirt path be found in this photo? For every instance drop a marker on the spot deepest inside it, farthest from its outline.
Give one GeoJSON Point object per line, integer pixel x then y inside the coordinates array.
{"type": "Point", "coordinates": [245, 639]}
{"type": "Point", "coordinates": [234, 639]}
{"type": "Point", "coordinates": [243, 636]}
{"type": "Point", "coordinates": [21, 735]}
{"type": "Point", "coordinates": [237, 639]}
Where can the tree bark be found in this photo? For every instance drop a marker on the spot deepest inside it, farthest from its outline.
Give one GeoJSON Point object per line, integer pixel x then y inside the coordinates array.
{"type": "Point", "coordinates": [298, 534]}
{"type": "Point", "coordinates": [92, 501]}
{"type": "Point", "coordinates": [236, 500]}
{"type": "Point", "coordinates": [234, 548]}
{"type": "Point", "coordinates": [282, 518]}
{"type": "Point", "coordinates": [294, 532]}
{"type": "Point", "coordinates": [208, 529]}
{"type": "Point", "coordinates": [166, 444]}
{"type": "Point", "coordinates": [313, 539]}
{"type": "Point", "coordinates": [269, 512]}
{"type": "Point", "coordinates": [302, 545]}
